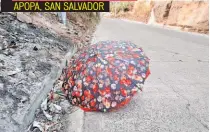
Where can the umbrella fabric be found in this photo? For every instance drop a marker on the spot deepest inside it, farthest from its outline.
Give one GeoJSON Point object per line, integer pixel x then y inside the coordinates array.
{"type": "Point", "coordinates": [104, 76]}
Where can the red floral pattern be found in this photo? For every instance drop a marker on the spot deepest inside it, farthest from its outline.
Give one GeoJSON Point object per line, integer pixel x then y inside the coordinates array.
{"type": "Point", "coordinates": [104, 77]}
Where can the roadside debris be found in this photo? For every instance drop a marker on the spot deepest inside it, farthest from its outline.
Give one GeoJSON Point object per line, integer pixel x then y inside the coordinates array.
{"type": "Point", "coordinates": [55, 108]}
{"type": "Point", "coordinates": [49, 117]}
{"type": "Point", "coordinates": [38, 125]}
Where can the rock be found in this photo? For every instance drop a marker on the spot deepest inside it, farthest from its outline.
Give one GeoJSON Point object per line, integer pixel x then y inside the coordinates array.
{"type": "Point", "coordinates": [24, 26]}
{"type": "Point", "coordinates": [24, 99]}
{"type": "Point", "coordinates": [1, 86]}
{"type": "Point", "coordinates": [23, 17]}
{"type": "Point", "coordinates": [12, 44]}
{"type": "Point", "coordinates": [7, 52]}
{"type": "Point", "coordinates": [10, 73]}
{"type": "Point", "coordinates": [31, 74]}
{"type": "Point", "coordinates": [87, 40]}
{"type": "Point", "coordinates": [2, 63]}
{"type": "Point", "coordinates": [3, 45]}
{"type": "Point", "coordinates": [35, 48]}
{"type": "Point", "coordinates": [69, 32]}
{"type": "Point", "coordinates": [76, 33]}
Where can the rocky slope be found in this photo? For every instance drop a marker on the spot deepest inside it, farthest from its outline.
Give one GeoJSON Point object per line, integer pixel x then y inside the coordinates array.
{"type": "Point", "coordinates": [28, 55]}
{"type": "Point", "coordinates": [33, 48]}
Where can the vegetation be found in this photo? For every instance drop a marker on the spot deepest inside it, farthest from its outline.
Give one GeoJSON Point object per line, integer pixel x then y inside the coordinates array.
{"type": "Point", "coordinates": [121, 6]}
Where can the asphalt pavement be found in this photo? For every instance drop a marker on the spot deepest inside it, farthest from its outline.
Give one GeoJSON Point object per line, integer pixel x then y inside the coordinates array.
{"type": "Point", "coordinates": [175, 97]}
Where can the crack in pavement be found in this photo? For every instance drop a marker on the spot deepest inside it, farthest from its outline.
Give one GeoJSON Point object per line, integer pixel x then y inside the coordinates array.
{"type": "Point", "coordinates": [187, 106]}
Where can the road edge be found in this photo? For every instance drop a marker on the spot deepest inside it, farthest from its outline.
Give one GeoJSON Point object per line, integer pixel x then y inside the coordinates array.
{"type": "Point", "coordinates": [47, 84]}
{"type": "Point", "coordinates": [166, 27]}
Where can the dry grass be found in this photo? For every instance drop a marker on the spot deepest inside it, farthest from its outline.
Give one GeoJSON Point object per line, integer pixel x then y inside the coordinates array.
{"type": "Point", "coordinates": [121, 6]}
{"type": "Point", "coordinates": [139, 10]}
{"type": "Point", "coordinates": [89, 18]}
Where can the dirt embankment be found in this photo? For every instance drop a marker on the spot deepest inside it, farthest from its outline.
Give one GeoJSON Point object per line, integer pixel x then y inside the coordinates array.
{"type": "Point", "coordinates": [32, 49]}
{"type": "Point", "coordinates": [189, 16]}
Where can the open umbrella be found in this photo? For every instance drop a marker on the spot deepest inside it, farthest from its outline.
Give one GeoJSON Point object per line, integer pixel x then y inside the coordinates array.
{"type": "Point", "coordinates": [104, 76]}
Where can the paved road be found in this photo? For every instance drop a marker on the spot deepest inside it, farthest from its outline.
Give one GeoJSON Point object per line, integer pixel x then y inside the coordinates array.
{"type": "Point", "coordinates": [175, 97]}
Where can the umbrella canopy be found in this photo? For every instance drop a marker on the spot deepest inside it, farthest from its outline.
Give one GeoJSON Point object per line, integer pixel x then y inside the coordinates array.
{"type": "Point", "coordinates": [104, 76]}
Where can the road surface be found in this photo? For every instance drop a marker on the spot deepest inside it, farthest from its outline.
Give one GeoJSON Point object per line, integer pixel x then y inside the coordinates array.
{"type": "Point", "coordinates": [175, 96]}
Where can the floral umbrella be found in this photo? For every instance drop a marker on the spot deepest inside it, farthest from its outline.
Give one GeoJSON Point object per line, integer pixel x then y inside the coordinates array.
{"type": "Point", "coordinates": [104, 77]}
